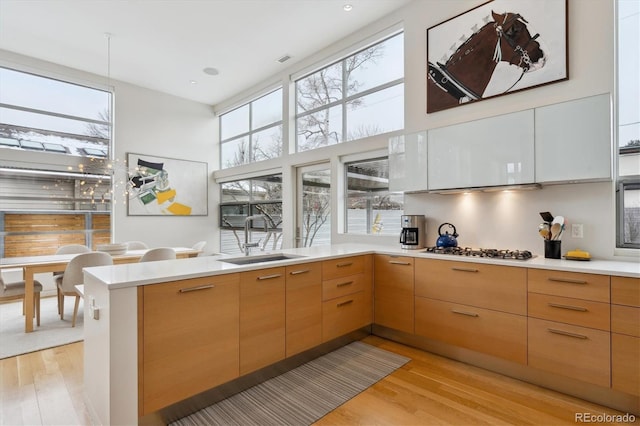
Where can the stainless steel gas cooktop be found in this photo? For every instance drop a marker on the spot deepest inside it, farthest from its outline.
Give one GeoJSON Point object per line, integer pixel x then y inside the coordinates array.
{"type": "Point", "coordinates": [480, 252]}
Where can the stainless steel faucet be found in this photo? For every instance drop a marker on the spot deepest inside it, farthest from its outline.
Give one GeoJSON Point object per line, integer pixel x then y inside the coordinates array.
{"type": "Point", "coordinates": [246, 247]}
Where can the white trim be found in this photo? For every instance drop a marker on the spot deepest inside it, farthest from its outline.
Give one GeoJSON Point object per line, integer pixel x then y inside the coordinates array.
{"type": "Point", "coordinates": [248, 175]}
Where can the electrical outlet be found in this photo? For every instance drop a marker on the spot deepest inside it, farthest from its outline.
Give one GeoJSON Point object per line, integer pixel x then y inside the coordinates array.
{"type": "Point", "coordinates": [577, 230]}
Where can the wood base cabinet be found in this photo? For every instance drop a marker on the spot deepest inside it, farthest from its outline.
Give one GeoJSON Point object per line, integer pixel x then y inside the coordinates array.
{"type": "Point", "coordinates": [393, 292]}
{"type": "Point", "coordinates": [625, 334]}
{"type": "Point", "coordinates": [491, 332]}
{"type": "Point", "coordinates": [304, 307]}
{"type": "Point", "coordinates": [262, 318]}
{"type": "Point", "coordinates": [190, 338]}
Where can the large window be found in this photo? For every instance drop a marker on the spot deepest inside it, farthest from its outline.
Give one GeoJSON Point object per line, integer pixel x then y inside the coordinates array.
{"type": "Point", "coordinates": [370, 207]}
{"type": "Point", "coordinates": [628, 189]}
{"type": "Point", "coordinates": [240, 199]}
{"type": "Point", "coordinates": [359, 96]}
{"type": "Point", "coordinates": [252, 132]}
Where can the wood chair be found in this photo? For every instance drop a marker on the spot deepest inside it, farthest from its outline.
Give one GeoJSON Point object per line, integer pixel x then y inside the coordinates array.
{"type": "Point", "coordinates": [16, 290]}
{"type": "Point", "coordinates": [73, 275]}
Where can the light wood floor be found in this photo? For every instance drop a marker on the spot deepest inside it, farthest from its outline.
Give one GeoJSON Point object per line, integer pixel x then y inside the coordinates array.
{"type": "Point", "coordinates": [45, 388]}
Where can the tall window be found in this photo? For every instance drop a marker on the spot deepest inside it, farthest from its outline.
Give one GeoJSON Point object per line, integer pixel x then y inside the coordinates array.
{"type": "Point", "coordinates": [359, 96]}
{"type": "Point", "coordinates": [261, 196]}
{"type": "Point", "coordinates": [54, 136]}
{"type": "Point", "coordinates": [628, 191]}
{"type": "Point", "coordinates": [370, 207]}
{"type": "Point", "coordinates": [252, 132]}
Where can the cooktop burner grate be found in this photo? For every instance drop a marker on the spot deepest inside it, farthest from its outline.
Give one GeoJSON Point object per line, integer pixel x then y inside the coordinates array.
{"type": "Point", "coordinates": [480, 252]}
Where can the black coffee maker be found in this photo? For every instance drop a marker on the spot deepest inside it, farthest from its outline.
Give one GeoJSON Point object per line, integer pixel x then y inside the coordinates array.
{"type": "Point", "coordinates": [413, 234]}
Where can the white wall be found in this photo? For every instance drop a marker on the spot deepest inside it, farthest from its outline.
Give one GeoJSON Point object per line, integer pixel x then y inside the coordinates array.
{"type": "Point", "coordinates": [490, 220]}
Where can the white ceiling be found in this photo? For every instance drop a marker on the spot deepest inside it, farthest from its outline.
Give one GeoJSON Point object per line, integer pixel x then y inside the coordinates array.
{"type": "Point", "coordinates": [165, 44]}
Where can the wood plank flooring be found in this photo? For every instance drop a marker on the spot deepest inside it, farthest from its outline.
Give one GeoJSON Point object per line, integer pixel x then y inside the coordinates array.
{"type": "Point", "coordinates": [45, 388]}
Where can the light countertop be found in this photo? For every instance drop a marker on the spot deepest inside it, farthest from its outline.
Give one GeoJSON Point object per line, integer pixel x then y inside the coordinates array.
{"type": "Point", "coordinates": [136, 274]}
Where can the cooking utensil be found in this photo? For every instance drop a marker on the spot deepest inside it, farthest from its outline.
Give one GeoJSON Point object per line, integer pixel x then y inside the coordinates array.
{"type": "Point", "coordinates": [447, 240]}
{"type": "Point", "coordinates": [543, 230]}
{"type": "Point", "coordinates": [546, 216]}
{"type": "Point", "coordinates": [556, 229]}
{"type": "Point", "coordinates": [558, 220]}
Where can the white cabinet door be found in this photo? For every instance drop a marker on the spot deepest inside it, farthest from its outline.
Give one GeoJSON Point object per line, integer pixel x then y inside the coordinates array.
{"type": "Point", "coordinates": [408, 162]}
{"type": "Point", "coordinates": [573, 140]}
{"type": "Point", "coordinates": [488, 152]}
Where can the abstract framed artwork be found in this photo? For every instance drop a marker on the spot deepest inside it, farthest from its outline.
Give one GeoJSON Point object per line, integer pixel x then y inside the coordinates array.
{"type": "Point", "coordinates": [494, 49]}
{"type": "Point", "coordinates": [166, 186]}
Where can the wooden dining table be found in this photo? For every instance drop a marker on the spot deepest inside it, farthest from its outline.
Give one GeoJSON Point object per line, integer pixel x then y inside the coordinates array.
{"type": "Point", "coordinates": [32, 265]}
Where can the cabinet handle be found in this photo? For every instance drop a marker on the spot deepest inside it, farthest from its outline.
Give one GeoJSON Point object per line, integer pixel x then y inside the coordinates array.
{"type": "Point", "coordinates": [202, 287]}
{"type": "Point", "coordinates": [469, 314]}
{"type": "Point", "coordinates": [342, 265]}
{"type": "Point", "coordinates": [344, 283]}
{"type": "Point", "coordinates": [303, 271]}
{"type": "Point", "coordinates": [464, 269]}
{"type": "Point", "coordinates": [567, 280]}
{"type": "Point", "coordinates": [269, 277]}
{"type": "Point", "coordinates": [341, 304]}
{"type": "Point", "coordinates": [397, 262]}
{"type": "Point", "coordinates": [572, 308]}
{"type": "Point", "coordinates": [566, 333]}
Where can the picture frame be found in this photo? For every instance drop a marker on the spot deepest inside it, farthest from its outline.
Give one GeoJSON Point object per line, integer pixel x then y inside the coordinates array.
{"type": "Point", "coordinates": [497, 48]}
{"type": "Point", "coordinates": [161, 186]}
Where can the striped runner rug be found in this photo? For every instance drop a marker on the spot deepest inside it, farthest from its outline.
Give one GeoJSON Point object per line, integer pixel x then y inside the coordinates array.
{"type": "Point", "coordinates": [303, 395]}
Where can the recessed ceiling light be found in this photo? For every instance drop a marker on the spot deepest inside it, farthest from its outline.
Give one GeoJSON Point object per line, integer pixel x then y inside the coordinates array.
{"type": "Point", "coordinates": [283, 59]}
{"type": "Point", "coordinates": [211, 71]}
{"type": "Point", "coordinates": [193, 82]}
{"type": "Point", "coordinates": [347, 7]}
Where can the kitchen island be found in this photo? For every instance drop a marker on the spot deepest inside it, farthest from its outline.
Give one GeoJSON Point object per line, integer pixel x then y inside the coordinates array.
{"type": "Point", "coordinates": [118, 299]}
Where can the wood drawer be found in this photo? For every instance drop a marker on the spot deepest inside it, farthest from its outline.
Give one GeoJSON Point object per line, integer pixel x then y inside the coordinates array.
{"type": "Point", "coordinates": [342, 286]}
{"type": "Point", "coordinates": [568, 350]}
{"type": "Point", "coordinates": [625, 291]}
{"type": "Point", "coordinates": [304, 307]}
{"type": "Point", "coordinates": [625, 363]}
{"type": "Point", "coordinates": [395, 312]}
{"type": "Point", "coordinates": [343, 315]}
{"type": "Point", "coordinates": [585, 313]}
{"type": "Point", "coordinates": [491, 332]}
{"type": "Point", "coordinates": [501, 288]}
{"type": "Point", "coordinates": [393, 275]}
{"type": "Point", "coordinates": [569, 284]}
{"type": "Point", "coordinates": [342, 267]}
{"type": "Point", "coordinates": [625, 320]}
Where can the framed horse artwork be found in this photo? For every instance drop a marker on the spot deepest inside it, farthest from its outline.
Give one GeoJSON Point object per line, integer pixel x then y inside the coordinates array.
{"type": "Point", "coordinates": [497, 48]}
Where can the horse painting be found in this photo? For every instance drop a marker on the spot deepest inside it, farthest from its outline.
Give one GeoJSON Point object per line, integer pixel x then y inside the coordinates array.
{"type": "Point", "coordinates": [464, 76]}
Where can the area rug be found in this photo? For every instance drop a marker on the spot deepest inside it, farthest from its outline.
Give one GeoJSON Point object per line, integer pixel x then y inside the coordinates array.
{"type": "Point", "coordinates": [52, 331]}
{"type": "Point", "coordinates": [305, 394]}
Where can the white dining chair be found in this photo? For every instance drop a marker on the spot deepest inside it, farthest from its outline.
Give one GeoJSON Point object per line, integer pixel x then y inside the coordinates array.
{"type": "Point", "coordinates": [15, 291]}
{"type": "Point", "coordinates": [160, 253]}
{"type": "Point", "coordinates": [200, 245]}
{"type": "Point", "coordinates": [136, 245]}
{"type": "Point", "coordinates": [67, 249]}
{"type": "Point", "coordinates": [73, 275]}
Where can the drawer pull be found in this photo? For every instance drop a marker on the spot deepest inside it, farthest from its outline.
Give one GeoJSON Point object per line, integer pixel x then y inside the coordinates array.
{"type": "Point", "coordinates": [567, 333]}
{"type": "Point", "coordinates": [397, 262]}
{"type": "Point", "coordinates": [269, 277]}
{"type": "Point", "coordinates": [567, 280]}
{"type": "Point", "coordinates": [342, 265]}
{"type": "Point", "coordinates": [303, 271]}
{"type": "Point", "coordinates": [469, 314]}
{"type": "Point", "coordinates": [464, 269]}
{"type": "Point", "coordinates": [571, 308]}
{"type": "Point", "coordinates": [344, 283]}
{"type": "Point", "coordinates": [202, 287]}
{"type": "Point", "coordinates": [341, 304]}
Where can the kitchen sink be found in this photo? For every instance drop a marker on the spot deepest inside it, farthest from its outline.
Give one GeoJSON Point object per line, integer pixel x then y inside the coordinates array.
{"type": "Point", "coordinates": [248, 260]}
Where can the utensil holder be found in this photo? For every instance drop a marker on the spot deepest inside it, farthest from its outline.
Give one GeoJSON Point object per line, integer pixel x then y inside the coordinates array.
{"type": "Point", "coordinates": [552, 249]}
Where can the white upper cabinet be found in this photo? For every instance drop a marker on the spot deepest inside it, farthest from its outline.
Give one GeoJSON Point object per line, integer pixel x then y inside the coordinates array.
{"type": "Point", "coordinates": [573, 140]}
{"type": "Point", "coordinates": [493, 151]}
{"type": "Point", "coordinates": [408, 162]}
